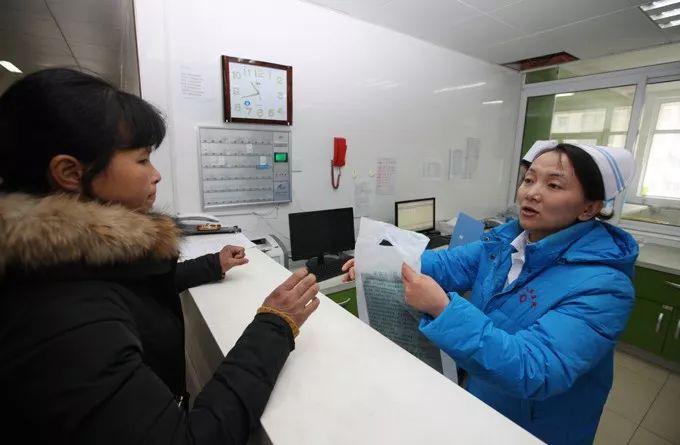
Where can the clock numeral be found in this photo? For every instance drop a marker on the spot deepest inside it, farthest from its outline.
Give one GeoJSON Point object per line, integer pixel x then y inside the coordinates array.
{"type": "Point", "coordinates": [279, 80]}
{"type": "Point", "coordinates": [280, 95]}
{"type": "Point", "coordinates": [280, 110]}
{"type": "Point", "coordinates": [235, 75]}
{"type": "Point", "coordinates": [250, 110]}
{"type": "Point", "coordinates": [260, 112]}
{"type": "Point", "coordinates": [235, 90]}
{"type": "Point", "coordinates": [270, 113]}
{"type": "Point", "coordinates": [237, 107]}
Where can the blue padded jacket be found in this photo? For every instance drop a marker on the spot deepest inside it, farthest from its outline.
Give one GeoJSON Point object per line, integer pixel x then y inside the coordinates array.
{"type": "Point", "coordinates": [541, 350]}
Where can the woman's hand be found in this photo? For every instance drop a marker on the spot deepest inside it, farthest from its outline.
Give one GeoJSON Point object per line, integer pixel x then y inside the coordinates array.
{"type": "Point", "coordinates": [231, 256]}
{"type": "Point", "coordinates": [349, 268]}
{"type": "Point", "coordinates": [421, 292]}
{"type": "Point", "coordinates": [296, 296]}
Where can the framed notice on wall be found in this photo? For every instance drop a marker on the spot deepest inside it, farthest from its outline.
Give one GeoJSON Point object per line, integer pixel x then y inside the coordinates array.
{"type": "Point", "coordinates": [257, 92]}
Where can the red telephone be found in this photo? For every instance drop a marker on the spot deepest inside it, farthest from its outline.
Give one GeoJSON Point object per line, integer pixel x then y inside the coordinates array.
{"type": "Point", "coordinates": [339, 152]}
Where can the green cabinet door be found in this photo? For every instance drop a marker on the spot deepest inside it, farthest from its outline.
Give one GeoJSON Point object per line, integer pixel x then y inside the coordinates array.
{"type": "Point", "coordinates": [648, 325]}
{"type": "Point", "coordinates": [657, 286]}
{"type": "Point", "coordinates": [346, 298]}
{"type": "Point", "coordinates": [671, 348]}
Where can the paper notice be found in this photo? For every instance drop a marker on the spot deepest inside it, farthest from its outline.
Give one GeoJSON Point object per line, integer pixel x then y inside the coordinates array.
{"type": "Point", "coordinates": [385, 176]}
{"type": "Point", "coordinates": [192, 83]}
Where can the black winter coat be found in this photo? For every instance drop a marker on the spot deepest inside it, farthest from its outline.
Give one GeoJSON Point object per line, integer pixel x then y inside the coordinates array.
{"type": "Point", "coordinates": [92, 334]}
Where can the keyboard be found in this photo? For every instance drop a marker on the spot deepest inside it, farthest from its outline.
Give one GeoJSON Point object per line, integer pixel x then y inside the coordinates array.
{"type": "Point", "coordinates": [329, 269]}
{"type": "Point", "coordinates": [438, 241]}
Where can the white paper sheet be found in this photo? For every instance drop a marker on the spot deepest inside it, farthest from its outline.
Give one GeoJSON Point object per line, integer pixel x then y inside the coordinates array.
{"type": "Point", "coordinates": [363, 197]}
{"type": "Point", "coordinates": [380, 292]}
{"type": "Point", "coordinates": [389, 315]}
{"type": "Point", "coordinates": [197, 245]}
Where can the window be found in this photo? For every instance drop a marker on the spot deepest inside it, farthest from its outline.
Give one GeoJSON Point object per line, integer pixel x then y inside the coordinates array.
{"type": "Point", "coordinates": [604, 109]}
{"type": "Point", "coordinates": [655, 194]}
{"type": "Point", "coordinates": [596, 117]}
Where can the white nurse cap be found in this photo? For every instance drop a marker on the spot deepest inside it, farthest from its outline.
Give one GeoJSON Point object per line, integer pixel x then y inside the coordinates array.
{"type": "Point", "coordinates": [616, 165]}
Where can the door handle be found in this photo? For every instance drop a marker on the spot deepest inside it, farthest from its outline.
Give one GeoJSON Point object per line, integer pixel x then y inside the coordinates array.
{"type": "Point", "coordinates": [671, 284]}
{"type": "Point", "coordinates": [344, 303]}
{"type": "Point", "coordinates": [659, 319]}
{"type": "Point", "coordinates": [677, 331]}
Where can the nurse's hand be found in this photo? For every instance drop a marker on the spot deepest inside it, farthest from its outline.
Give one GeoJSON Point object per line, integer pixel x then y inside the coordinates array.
{"type": "Point", "coordinates": [231, 256]}
{"type": "Point", "coordinates": [421, 292]}
{"type": "Point", "coordinates": [349, 268]}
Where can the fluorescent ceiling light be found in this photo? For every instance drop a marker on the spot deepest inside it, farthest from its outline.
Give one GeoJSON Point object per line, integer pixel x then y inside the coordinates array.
{"type": "Point", "coordinates": [9, 66]}
{"type": "Point", "coordinates": [461, 87]}
{"type": "Point", "coordinates": [665, 14]}
{"type": "Point", "coordinates": [670, 24]}
{"type": "Point", "coordinates": [658, 4]}
{"type": "Point", "coordinates": [492, 102]}
{"type": "Point", "coordinates": [383, 84]}
{"type": "Point", "coordinates": [564, 94]}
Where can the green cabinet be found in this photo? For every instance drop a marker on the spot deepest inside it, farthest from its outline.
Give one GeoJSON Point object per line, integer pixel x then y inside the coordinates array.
{"type": "Point", "coordinates": [648, 325]}
{"type": "Point", "coordinates": [347, 299]}
{"type": "Point", "coordinates": [654, 324]}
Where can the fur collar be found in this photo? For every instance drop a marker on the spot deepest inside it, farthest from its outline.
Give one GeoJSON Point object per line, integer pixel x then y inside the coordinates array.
{"type": "Point", "coordinates": [59, 229]}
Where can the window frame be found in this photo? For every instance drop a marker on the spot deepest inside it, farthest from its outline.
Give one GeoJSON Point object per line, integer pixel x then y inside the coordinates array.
{"type": "Point", "coordinates": [647, 132]}
{"type": "Point", "coordinates": [640, 77]}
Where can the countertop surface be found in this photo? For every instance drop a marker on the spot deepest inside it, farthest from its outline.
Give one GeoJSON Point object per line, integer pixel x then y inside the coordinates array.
{"type": "Point", "coordinates": [345, 383]}
{"type": "Point", "coordinates": [658, 257]}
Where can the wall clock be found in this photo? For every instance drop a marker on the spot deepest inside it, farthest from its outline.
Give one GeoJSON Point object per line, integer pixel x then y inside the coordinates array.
{"type": "Point", "coordinates": [257, 92]}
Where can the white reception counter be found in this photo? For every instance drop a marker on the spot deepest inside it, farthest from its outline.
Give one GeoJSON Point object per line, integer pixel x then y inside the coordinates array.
{"type": "Point", "coordinates": [344, 383]}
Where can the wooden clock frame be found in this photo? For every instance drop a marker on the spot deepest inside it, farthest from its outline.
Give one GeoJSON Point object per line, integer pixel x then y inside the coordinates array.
{"type": "Point", "coordinates": [226, 89]}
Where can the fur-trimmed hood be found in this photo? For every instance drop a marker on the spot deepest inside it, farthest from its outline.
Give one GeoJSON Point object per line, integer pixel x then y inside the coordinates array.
{"type": "Point", "coordinates": [59, 229]}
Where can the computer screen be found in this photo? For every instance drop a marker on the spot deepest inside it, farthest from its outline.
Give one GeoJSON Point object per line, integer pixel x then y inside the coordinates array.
{"type": "Point", "coordinates": [324, 231]}
{"type": "Point", "coordinates": [416, 214]}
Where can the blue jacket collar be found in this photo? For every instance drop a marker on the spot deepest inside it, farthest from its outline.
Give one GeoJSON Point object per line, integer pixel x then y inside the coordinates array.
{"type": "Point", "coordinates": [584, 242]}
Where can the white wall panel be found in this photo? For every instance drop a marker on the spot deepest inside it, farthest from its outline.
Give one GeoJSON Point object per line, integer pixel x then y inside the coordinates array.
{"type": "Point", "coordinates": [351, 79]}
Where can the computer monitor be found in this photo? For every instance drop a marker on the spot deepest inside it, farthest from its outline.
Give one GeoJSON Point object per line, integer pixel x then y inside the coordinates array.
{"type": "Point", "coordinates": [416, 214]}
{"type": "Point", "coordinates": [314, 234]}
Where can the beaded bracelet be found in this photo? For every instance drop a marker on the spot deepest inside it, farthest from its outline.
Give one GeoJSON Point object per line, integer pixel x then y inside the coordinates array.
{"type": "Point", "coordinates": [270, 310]}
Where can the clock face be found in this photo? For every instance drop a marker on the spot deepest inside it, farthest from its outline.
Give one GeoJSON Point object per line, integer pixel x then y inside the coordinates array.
{"type": "Point", "coordinates": [258, 92]}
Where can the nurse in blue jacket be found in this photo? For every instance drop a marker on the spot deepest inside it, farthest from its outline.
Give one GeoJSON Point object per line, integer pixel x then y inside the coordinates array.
{"type": "Point", "coordinates": [550, 295]}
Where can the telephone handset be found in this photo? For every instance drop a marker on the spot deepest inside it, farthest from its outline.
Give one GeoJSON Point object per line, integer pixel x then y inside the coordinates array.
{"type": "Point", "coordinates": [339, 154]}
{"type": "Point", "coordinates": [198, 222]}
{"type": "Point", "coordinates": [196, 218]}
{"type": "Point", "coordinates": [202, 223]}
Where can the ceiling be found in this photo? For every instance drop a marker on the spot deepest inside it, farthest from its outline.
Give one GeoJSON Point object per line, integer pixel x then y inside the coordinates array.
{"type": "Point", "coordinates": [98, 35]}
{"type": "Point", "coordinates": [86, 34]}
{"type": "Point", "coordinates": [504, 31]}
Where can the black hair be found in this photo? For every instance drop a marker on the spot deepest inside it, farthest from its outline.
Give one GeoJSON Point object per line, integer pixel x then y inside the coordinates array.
{"type": "Point", "coordinates": [587, 172]}
{"type": "Point", "coordinates": [63, 111]}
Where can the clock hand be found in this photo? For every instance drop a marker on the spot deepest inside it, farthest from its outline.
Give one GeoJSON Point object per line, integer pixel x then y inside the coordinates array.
{"type": "Point", "coordinates": [251, 95]}
{"type": "Point", "coordinates": [258, 91]}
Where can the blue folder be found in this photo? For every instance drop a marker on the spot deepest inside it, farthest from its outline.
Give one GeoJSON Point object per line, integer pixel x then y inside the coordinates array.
{"type": "Point", "coordinates": [467, 230]}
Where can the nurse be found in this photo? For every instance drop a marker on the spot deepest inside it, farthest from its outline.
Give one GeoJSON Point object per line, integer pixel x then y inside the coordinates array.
{"type": "Point", "coordinates": [550, 295]}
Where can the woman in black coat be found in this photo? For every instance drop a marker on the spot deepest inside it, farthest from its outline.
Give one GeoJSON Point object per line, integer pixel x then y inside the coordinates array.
{"type": "Point", "coordinates": [91, 327]}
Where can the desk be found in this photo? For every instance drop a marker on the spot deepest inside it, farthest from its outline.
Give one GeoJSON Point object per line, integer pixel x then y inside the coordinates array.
{"type": "Point", "coordinates": [344, 383]}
